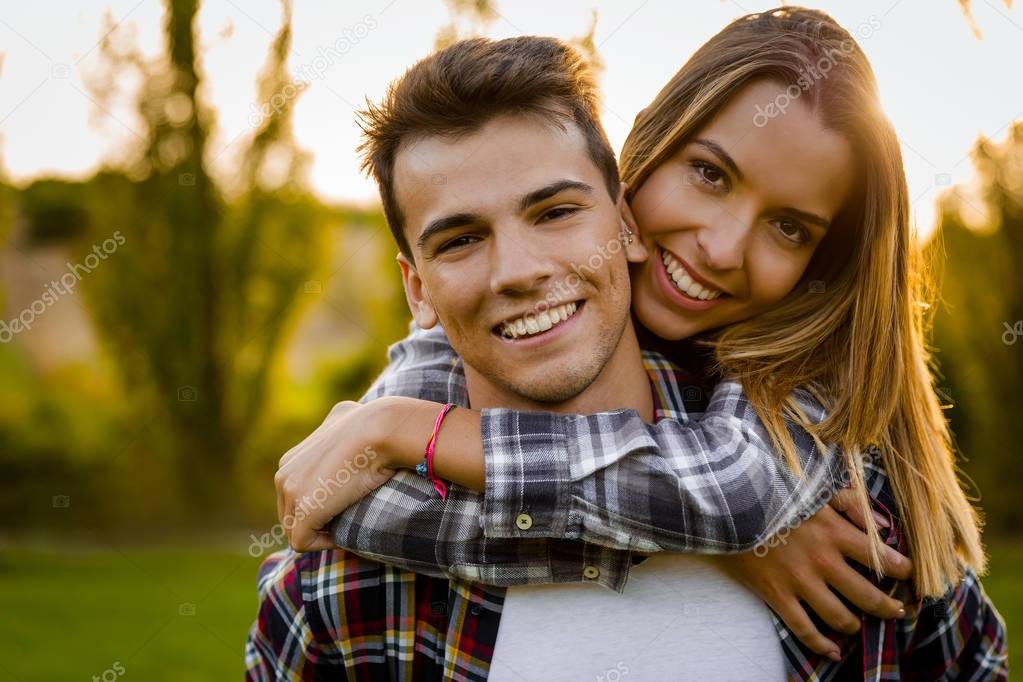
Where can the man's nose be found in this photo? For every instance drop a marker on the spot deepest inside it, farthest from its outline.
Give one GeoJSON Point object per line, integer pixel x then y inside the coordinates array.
{"type": "Point", "coordinates": [518, 265]}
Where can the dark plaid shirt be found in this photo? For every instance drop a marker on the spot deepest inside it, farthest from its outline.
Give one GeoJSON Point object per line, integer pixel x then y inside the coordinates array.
{"type": "Point", "coordinates": [327, 612]}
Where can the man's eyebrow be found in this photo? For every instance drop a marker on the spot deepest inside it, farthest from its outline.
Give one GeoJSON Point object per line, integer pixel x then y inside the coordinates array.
{"type": "Point", "coordinates": [446, 223]}
{"type": "Point", "coordinates": [720, 152]}
{"type": "Point", "coordinates": [536, 196]}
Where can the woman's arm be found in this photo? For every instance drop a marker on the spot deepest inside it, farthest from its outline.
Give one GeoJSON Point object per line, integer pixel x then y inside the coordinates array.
{"type": "Point", "coordinates": [710, 484]}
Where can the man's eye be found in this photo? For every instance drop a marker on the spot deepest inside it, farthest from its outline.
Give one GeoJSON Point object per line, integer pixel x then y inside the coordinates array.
{"type": "Point", "coordinates": [709, 174]}
{"type": "Point", "coordinates": [559, 212]}
{"type": "Point", "coordinates": [457, 242]}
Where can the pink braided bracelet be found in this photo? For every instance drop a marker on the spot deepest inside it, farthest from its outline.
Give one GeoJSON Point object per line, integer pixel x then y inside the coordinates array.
{"type": "Point", "coordinates": [431, 447]}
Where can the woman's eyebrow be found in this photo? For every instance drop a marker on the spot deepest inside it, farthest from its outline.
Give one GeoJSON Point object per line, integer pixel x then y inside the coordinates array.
{"type": "Point", "coordinates": [811, 218]}
{"type": "Point", "coordinates": [719, 151]}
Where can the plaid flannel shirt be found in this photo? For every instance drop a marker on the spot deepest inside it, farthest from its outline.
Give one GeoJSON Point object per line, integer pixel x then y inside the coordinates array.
{"type": "Point", "coordinates": [692, 482]}
{"type": "Point", "coordinates": [322, 613]}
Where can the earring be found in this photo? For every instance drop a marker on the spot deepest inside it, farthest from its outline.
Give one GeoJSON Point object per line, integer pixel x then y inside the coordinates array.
{"type": "Point", "coordinates": [627, 234]}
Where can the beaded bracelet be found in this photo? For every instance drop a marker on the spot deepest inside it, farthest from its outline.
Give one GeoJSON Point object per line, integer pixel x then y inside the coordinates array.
{"type": "Point", "coordinates": [425, 468]}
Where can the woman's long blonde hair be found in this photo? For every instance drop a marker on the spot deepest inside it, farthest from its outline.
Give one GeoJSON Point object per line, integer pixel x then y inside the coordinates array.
{"type": "Point", "coordinates": [858, 345]}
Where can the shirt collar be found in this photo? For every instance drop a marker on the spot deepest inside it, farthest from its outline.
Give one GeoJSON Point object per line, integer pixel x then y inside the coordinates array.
{"type": "Point", "coordinates": [666, 383]}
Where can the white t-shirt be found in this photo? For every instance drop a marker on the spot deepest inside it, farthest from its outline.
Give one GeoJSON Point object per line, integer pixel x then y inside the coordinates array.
{"type": "Point", "coordinates": [680, 618]}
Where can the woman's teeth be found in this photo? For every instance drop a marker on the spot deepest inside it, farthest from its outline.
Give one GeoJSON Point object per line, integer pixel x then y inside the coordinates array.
{"type": "Point", "coordinates": [531, 324]}
{"type": "Point", "coordinates": [685, 283]}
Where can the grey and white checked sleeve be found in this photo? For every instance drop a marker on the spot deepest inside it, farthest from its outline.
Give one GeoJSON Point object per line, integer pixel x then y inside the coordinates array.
{"type": "Point", "coordinates": [593, 486]}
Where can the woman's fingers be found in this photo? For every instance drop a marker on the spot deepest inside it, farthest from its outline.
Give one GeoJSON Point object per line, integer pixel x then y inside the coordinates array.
{"type": "Point", "coordinates": [846, 501]}
{"type": "Point", "coordinates": [305, 537]}
{"type": "Point", "coordinates": [855, 545]}
{"type": "Point", "coordinates": [792, 613]}
{"type": "Point", "coordinates": [322, 540]}
{"type": "Point", "coordinates": [863, 594]}
{"type": "Point", "coordinates": [830, 608]}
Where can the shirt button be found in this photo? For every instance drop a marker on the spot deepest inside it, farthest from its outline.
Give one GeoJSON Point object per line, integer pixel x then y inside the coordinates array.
{"type": "Point", "coordinates": [524, 521]}
{"type": "Point", "coordinates": [476, 609]}
{"type": "Point", "coordinates": [591, 572]}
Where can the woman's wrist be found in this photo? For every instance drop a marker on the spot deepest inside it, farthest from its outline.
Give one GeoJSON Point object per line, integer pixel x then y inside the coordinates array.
{"type": "Point", "coordinates": [399, 429]}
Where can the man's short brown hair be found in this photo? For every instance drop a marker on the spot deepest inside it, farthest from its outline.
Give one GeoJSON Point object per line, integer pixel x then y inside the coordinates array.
{"type": "Point", "coordinates": [458, 90]}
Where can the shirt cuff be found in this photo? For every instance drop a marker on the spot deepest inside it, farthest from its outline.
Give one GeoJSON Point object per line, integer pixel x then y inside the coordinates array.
{"type": "Point", "coordinates": [527, 491]}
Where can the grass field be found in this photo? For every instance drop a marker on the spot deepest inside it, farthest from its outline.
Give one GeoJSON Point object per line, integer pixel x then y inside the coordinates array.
{"type": "Point", "coordinates": [161, 615]}
{"type": "Point", "coordinates": [170, 615]}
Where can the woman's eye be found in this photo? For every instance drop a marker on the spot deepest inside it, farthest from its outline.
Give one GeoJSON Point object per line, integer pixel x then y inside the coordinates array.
{"type": "Point", "coordinates": [793, 231]}
{"type": "Point", "coordinates": [710, 174]}
{"type": "Point", "coordinates": [559, 212]}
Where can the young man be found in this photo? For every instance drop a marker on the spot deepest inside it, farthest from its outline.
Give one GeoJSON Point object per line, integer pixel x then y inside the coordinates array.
{"type": "Point", "coordinates": [492, 214]}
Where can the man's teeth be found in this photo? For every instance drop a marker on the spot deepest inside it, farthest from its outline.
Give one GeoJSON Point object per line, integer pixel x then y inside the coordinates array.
{"type": "Point", "coordinates": [684, 282]}
{"type": "Point", "coordinates": [530, 324]}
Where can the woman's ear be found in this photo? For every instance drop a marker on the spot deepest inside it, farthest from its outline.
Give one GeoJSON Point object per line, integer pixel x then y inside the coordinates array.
{"type": "Point", "coordinates": [416, 294]}
{"type": "Point", "coordinates": [635, 249]}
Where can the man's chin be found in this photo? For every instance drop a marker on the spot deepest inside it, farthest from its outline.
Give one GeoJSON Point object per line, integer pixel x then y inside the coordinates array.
{"type": "Point", "coordinates": [553, 385]}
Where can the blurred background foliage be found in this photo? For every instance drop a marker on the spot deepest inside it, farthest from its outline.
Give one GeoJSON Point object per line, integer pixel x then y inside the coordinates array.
{"type": "Point", "coordinates": [192, 316]}
{"type": "Point", "coordinates": [152, 405]}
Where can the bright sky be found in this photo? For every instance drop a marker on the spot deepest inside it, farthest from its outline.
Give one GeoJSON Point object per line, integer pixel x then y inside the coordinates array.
{"type": "Point", "coordinates": [940, 85]}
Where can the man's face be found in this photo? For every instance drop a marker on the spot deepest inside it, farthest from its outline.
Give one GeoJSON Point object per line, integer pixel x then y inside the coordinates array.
{"type": "Point", "coordinates": [516, 252]}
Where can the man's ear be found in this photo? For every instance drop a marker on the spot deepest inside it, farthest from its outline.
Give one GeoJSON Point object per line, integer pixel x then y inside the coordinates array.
{"type": "Point", "coordinates": [636, 252]}
{"type": "Point", "coordinates": [416, 295]}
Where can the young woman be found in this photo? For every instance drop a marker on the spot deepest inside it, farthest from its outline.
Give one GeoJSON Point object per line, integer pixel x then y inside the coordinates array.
{"type": "Point", "coordinates": [768, 187]}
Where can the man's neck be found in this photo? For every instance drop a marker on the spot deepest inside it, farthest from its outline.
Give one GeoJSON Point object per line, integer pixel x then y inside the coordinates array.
{"type": "Point", "coordinates": [622, 383]}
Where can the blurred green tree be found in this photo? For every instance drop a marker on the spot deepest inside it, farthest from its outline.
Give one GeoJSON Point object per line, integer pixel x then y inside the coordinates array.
{"type": "Point", "coordinates": [978, 328]}
{"type": "Point", "coordinates": [198, 300]}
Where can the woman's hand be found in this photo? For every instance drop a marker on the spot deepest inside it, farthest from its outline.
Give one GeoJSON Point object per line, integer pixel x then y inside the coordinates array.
{"type": "Point", "coordinates": [807, 565]}
{"type": "Point", "coordinates": [338, 464]}
{"type": "Point", "coordinates": [357, 449]}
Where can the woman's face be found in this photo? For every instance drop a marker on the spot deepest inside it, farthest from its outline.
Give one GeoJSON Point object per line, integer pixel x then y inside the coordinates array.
{"type": "Point", "coordinates": [733, 218]}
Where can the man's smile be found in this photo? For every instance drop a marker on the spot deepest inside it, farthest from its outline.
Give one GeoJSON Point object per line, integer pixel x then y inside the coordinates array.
{"type": "Point", "coordinates": [539, 324]}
